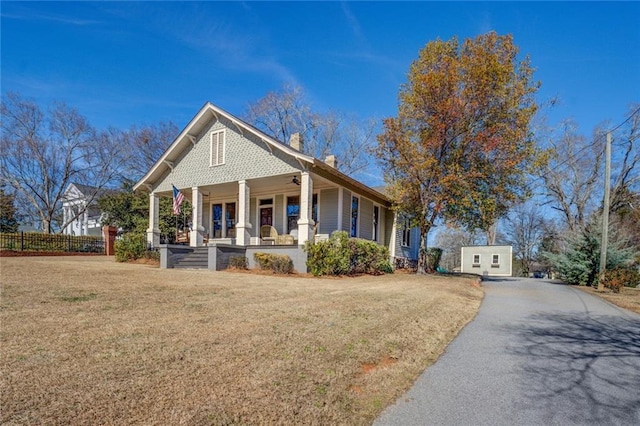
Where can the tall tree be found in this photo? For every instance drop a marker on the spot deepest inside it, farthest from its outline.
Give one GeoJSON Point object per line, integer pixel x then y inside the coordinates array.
{"type": "Point", "coordinates": [571, 175]}
{"type": "Point", "coordinates": [461, 143]}
{"type": "Point", "coordinates": [626, 158]}
{"type": "Point", "coordinates": [285, 112]}
{"type": "Point", "coordinates": [41, 153]}
{"type": "Point", "coordinates": [147, 144]}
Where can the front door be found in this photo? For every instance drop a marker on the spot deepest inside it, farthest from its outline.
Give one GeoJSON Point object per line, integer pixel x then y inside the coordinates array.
{"type": "Point", "coordinates": [266, 216]}
{"type": "Point", "coordinates": [217, 221]}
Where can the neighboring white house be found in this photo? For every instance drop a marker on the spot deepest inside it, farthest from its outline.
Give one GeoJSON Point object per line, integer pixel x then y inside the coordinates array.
{"type": "Point", "coordinates": [238, 179]}
{"type": "Point", "coordinates": [79, 210]}
{"type": "Point", "coordinates": [487, 260]}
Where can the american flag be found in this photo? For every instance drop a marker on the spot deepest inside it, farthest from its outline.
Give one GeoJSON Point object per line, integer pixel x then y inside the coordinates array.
{"type": "Point", "coordinates": [178, 198]}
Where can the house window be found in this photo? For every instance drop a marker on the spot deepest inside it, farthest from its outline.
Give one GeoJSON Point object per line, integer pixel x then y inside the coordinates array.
{"type": "Point", "coordinates": [376, 217]}
{"type": "Point", "coordinates": [293, 213]}
{"type": "Point", "coordinates": [230, 220]}
{"type": "Point", "coordinates": [354, 216]}
{"type": "Point", "coordinates": [217, 150]}
{"type": "Point", "coordinates": [406, 233]}
{"type": "Point", "coordinates": [495, 261]}
{"type": "Point", "coordinates": [314, 208]}
{"type": "Point", "coordinates": [476, 259]}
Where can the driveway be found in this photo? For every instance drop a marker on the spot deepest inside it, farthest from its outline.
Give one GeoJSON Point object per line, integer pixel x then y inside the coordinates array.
{"type": "Point", "coordinates": [538, 353]}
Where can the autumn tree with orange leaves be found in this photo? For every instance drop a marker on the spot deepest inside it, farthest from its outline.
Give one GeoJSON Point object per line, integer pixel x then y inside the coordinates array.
{"type": "Point", "coordinates": [461, 144]}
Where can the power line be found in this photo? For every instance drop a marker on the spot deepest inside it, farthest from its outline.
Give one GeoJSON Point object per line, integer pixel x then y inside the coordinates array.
{"type": "Point", "coordinates": [625, 121]}
{"type": "Point", "coordinates": [597, 139]}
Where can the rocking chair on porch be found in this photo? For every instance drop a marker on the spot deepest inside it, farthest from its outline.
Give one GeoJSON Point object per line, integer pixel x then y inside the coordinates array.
{"type": "Point", "coordinates": [268, 234]}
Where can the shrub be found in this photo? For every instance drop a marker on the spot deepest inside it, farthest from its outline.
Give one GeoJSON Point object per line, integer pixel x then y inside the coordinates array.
{"type": "Point", "coordinates": [130, 247]}
{"type": "Point", "coordinates": [278, 263]}
{"type": "Point", "coordinates": [238, 262]}
{"type": "Point", "coordinates": [341, 255]}
{"type": "Point", "coordinates": [615, 279]}
{"type": "Point", "coordinates": [152, 255]}
{"type": "Point", "coordinates": [579, 263]}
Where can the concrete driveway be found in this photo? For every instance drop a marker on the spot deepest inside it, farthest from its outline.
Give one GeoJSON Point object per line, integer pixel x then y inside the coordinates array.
{"type": "Point", "coordinates": [538, 353]}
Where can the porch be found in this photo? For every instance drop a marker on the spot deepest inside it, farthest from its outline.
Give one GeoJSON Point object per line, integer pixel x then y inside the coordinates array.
{"type": "Point", "coordinates": [275, 210]}
{"type": "Point", "coordinates": [216, 256]}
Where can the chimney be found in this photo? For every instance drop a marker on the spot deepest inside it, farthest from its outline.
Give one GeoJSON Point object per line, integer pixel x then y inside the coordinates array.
{"type": "Point", "coordinates": [296, 141]}
{"type": "Point", "coordinates": [332, 161]}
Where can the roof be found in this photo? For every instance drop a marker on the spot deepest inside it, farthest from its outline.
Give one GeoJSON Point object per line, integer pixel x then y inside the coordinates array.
{"type": "Point", "coordinates": [209, 112]}
{"type": "Point", "coordinates": [88, 190]}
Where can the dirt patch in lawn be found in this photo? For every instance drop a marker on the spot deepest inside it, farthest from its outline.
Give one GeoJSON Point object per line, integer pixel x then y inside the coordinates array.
{"type": "Point", "coordinates": [86, 340]}
{"type": "Point", "coordinates": [628, 298]}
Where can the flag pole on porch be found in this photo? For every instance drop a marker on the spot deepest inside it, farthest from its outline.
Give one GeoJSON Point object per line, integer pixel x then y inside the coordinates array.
{"type": "Point", "coordinates": [178, 198]}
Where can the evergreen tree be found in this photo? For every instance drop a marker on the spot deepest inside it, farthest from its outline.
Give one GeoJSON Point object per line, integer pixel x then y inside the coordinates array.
{"type": "Point", "coordinates": [8, 221]}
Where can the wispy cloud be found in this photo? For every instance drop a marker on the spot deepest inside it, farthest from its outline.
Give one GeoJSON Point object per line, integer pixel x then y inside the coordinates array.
{"type": "Point", "coordinates": [354, 24]}
{"type": "Point", "coordinates": [233, 48]}
{"type": "Point", "coordinates": [67, 20]}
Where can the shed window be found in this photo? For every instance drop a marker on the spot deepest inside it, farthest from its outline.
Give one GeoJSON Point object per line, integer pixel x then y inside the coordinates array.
{"type": "Point", "coordinates": [476, 259]}
{"type": "Point", "coordinates": [495, 260]}
{"type": "Point", "coordinates": [217, 149]}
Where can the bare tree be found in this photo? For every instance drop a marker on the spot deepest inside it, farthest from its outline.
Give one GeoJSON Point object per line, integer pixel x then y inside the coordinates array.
{"type": "Point", "coordinates": [283, 113]}
{"type": "Point", "coordinates": [626, 161]}
{"type": "Point", "coordinates": [571, 175]}
{"type": "Point", "coordinates": [42, 153]}
{"type": "Point", "coordinates": [525, 229]}
{"type": "Point", "coordinates": [451, 240]}
{"type": "Point", "coordinates": [147, 144]}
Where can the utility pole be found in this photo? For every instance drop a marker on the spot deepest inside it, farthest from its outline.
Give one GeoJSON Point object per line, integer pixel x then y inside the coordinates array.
{"type": "Point", "coordinates": [605, 213]}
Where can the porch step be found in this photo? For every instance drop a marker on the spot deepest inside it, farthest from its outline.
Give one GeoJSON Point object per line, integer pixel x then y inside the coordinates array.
{"type": "Point", "coordinates": [197, 259]}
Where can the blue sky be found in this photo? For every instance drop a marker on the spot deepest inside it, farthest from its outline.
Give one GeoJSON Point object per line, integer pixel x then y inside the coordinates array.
{"type": "Point", "coordinates": [123, 63]}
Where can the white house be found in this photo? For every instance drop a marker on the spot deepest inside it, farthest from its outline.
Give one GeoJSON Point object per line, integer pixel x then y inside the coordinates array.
{"type": "Point", "coordinates": [487, 260]}
{"type": "Point", "coordinates": [248, 189]}
{"type": "Point", "coordinates": [79, 210]}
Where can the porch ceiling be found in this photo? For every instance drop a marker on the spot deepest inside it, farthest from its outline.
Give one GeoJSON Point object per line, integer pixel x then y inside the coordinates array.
{"type": "Point", "coordinates": [271, 185]}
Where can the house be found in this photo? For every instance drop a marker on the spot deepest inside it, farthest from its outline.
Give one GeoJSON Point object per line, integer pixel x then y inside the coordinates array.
{"type": "Point", "coordinates": [487, 260]}
{"type": "Point", "coordinates": [249, 191]}
{"type": "Point", "coordinates": [79, 210]}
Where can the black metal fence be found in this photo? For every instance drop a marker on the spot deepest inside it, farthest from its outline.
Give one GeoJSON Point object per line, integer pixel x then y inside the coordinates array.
{"type": "Point", "coordinates": [33, 241]}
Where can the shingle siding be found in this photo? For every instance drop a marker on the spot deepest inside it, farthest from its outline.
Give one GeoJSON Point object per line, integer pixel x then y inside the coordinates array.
{"type": "Point", "coordinates": [246, 157]}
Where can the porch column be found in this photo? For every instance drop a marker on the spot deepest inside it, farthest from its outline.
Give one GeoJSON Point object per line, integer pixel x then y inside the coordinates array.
{"type": "Point", "coordinates": [85, 220]}
{"type": "Point", "coordinates": [65, 230]}
{"type": "Point", "coordinates": [244, 221]}
{"type": "Point", "coordinates": [197, 230]}
{"type": "Point", "coordinates": [305, 223]}
{"type": "Point", "coordinates": [394, 237]}
{"type": "Point", "coordinates": [153, 232]}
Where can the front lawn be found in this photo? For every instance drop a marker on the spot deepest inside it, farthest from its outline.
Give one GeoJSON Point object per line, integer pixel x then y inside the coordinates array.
{"type": "Point", "coordinates": [86, 340]}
